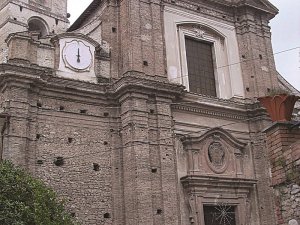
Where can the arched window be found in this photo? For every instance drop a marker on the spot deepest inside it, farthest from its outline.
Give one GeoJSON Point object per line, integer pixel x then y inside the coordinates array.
{"type": "Point", "coordinates": [202, 55]}
{"type": "Point", "coordinates": [37, 24]}
{"type": "Point", "coordinates": [201, 50]}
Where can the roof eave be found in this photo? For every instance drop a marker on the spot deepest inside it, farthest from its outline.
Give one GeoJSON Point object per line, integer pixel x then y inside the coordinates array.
{"type": "Point", "coordinates": [87, 12]}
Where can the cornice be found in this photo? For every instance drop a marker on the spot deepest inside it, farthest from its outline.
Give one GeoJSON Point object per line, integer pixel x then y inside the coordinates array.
{"type": "Point", "coordinates": [4, 3]}
{"type": "Point", "coordinates": [218, 11]}
{"type": "Point", "coordinates": [75, 35]}
{"type": "Point", "coordinates": [9, 20]}
{"type": "Point", "coordinates": [30, 37]}
{"type": "Point", "coordinates": [22, 72]}
{"type": "Point", "coordinates": [135, 81]}
{"type": "Point", "coordinates": [211, 113]}
{"type": "Point", "coordinates": [191, 181]}
{"type": "Point", "coordinates": [232, 109]}
{"type": "Point", "coordinates": [222, 9]}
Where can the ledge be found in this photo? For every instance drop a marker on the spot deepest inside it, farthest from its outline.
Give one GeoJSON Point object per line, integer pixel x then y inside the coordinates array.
{"type": "Point", "coordinates": [287, 124]}
{"type": "Point", "coordinates": [192, 181]}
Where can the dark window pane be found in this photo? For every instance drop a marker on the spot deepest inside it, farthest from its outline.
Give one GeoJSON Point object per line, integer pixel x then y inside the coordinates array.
{"type": "Point", "coordinates": [200, 67]}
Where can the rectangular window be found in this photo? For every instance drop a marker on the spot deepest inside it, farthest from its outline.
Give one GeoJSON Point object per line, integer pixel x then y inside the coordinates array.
{"type": "Point", "coordinates": [200, 67]}
{"type": "Point", "coordinates": [219, 215]}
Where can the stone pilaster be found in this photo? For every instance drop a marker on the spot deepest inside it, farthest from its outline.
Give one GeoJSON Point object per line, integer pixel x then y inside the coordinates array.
{"type": "Point", "coordinates": [256, 54]}
{"type": "Point", "coordinates": [148, 155]}
{"type": "Point", "coordinates": [141, 37]}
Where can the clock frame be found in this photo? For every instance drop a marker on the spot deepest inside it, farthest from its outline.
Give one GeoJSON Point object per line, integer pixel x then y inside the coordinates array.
{"type": "Point", "coordinates": [77, 56]}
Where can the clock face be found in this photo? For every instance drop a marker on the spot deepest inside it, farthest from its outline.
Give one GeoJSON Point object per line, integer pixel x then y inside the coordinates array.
{"type": "Point", "coordinates": [77, 56]}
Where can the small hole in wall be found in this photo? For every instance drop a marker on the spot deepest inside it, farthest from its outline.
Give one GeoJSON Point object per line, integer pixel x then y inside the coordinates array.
{"type": "Point", "coordinates": [151, 111]}
{"type": "Point", "coordinates": [73, 214]}
{"type": "Point", "coordinates": [59, 161]}
{"type": "Point", "coordinates": [243, 56]}
{"type": "Point", "coordinates": [223, 16]}
{"type": "Point", "coordinates": [83, 111]}
{"type": "Point", "coordinates": [112, 130]}
{"type": "Point", "coordinates": [37, 136]}
{"type": "Point", "coordinates": [159, 211]}
{"type": "Point", "coordinates": [15, 18]}
{"type": "Point", "coordinates": [268, 90]}
{"type": "Point", "coordinates": [260, 56]}
{"type": "Point", "coordinates": [237, 19]}
{"type": "Point", "coordinates": [114, 30]}
{"type": "Point", "coordinates": [154, 170]}
{"type": "Point", "coordinates": [145, 63]}
{"type": "Point", "coordinates": [106, 215]}
{"type": "Point", "coordinates": [39, 162]}
{"type": "Point", "coordinates": [105, 143]}
{"type": "Point", "coordinates": [198, 8]}
{"type": "Point", "coordinates": [96, 167]}
{"type": "Point", "coordinates": [252, 76]}
{"type": "Point", "coordinates": [39, 104]}
{"type": "Point", "coordinates": [70, 140]}
{"type": "Point", "coordinates": [173, 1]}
{"type": "Point", "coordinates": [56, 21]}
{"type": "Point", "coordinates": [106, 114]}
{"type": "Point", "coordinates": [21, 8]}
{"type": "Point", "coordinates": [247, 89]}
{"type": "Point", "coordinates": [61, 108]}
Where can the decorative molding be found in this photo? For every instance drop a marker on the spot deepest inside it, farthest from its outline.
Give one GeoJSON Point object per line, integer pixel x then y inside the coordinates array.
{"type": "Point", "coordinates": [215, 11]}
{"type": "Point", "coordinates": [198, 181]}
{"type": "Point", "coordinates": [216, 133]}
{"type": "Point", "coordinates": [213, 113]}
{"type": "Point", "coordinates": [137, 81]}
{"type": "Point", "coordinates": [199, 32]}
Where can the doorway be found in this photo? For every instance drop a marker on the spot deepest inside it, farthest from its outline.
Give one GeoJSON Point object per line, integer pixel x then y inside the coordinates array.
{"type": "Point", "coordinates": [221, 214]}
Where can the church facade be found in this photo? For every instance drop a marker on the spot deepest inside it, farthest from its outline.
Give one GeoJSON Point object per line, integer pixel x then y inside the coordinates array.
{"type": "Point", "coordinates": [142, 112]}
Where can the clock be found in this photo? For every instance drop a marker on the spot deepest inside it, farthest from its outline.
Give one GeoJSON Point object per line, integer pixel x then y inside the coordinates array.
{"type": "Point", "coordinates": [77, 56]}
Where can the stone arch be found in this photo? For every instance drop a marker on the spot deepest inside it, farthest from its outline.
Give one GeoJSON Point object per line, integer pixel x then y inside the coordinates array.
{"type": "Point", "coordinates": [37, 24]}
{"type": "Point", "coordinates": [201, 26]}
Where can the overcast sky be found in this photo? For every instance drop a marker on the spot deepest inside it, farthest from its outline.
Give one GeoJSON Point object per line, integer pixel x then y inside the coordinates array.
{"type": "Point", "coordinates": [285, 35]}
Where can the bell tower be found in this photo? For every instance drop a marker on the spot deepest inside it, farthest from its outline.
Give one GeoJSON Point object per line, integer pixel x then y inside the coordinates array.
{"type": "Point", "coordinates": [43, 16]}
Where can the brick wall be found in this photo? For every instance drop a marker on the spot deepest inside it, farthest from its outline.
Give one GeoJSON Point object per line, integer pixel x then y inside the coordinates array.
{"type": "Point", "coordinates": [284, 153]}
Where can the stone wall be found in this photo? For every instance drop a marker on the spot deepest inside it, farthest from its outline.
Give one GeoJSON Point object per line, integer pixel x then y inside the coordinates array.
{"type": "Point", "coordinates": [287, 199]}
{"type": "Point", "coordinates": [284, 154]}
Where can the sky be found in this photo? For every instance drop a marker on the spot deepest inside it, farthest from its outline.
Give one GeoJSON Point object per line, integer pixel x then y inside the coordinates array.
{"type": "Point", "coordinates": [285, 28]}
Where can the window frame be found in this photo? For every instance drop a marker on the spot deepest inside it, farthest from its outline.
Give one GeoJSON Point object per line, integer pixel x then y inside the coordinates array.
{"type": "Point", "coordinates": [213, 58]}
{"type": "Point", "coordinates": [216, 44]}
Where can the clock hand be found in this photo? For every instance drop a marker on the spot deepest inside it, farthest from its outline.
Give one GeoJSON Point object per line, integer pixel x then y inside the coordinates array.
{"type": "Point", "coordinates": [78, 56]}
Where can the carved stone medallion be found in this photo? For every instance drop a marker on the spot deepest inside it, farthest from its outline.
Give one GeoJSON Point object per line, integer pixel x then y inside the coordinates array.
{"type": "Point", "coordinates": [217, 157]}
{"type": "Point", "coordinates": [216, 154]}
